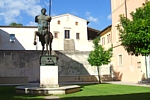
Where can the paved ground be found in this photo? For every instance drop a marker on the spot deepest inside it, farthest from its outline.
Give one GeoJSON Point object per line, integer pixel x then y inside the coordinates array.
{"type": "Point", "coordinates": [129, 83]}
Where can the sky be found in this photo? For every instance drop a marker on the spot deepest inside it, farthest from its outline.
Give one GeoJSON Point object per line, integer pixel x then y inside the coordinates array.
{"type": "Point", "coordinates": [98, 12]}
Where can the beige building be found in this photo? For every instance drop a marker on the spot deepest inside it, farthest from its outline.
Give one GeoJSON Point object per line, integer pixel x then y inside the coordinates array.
{"type": "Point", "coordinates": [105, 41]}
{"type": "Point", "coordinates": [126, 67]}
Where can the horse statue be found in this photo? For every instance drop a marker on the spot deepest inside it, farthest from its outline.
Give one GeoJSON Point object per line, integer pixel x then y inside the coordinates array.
{"type": "Point", "coordinates": [45, 36]}
{"type": "Point", "coordinates": [45, 39]}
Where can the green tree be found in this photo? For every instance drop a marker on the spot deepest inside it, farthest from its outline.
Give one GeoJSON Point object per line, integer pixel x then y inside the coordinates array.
{"type": "Point", "coordinates": [135, 32]}
{"type": "Point", "coordinates": [99, 56]}
{"type": "Point", "coordinates": [15, 24]}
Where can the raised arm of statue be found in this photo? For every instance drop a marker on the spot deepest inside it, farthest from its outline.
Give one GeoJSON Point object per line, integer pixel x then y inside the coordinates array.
{"type": "Point", "coordinates": [49, 19]}
{"type": "Point", "coordinates": [36, 19]}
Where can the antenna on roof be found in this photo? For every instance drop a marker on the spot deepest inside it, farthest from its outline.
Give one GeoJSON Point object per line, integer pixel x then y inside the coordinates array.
{"type": "Point", "coordinates": [50, 4]}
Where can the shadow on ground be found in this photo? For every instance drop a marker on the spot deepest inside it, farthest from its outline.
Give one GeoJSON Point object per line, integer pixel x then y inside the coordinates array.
{"type": "Point", "coordinates": [135, 96]}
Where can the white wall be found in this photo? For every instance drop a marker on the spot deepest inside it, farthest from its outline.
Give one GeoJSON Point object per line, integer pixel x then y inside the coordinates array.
{"type": "Point", "coordinates": [67, 22]}
{"type": "Point", "coordinates": [24, 38]}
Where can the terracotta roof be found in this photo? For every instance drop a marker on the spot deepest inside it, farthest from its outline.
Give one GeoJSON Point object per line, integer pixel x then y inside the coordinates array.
{"type": "Point", "coordinates": [106, 29]}
{"type": "Point", "coordinates": [92, 29]}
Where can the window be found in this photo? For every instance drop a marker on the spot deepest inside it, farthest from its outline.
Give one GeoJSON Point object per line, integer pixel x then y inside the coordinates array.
{"type": "Point", "coordinates": [67, 34]}
{"type": "Point", "coordinates": [76, 23]}
{"type": "Point", "coordinates": [120, 60]}
{"type": "Point", "coordinates": [55, 35]}
{"type": "Point", "coordinates": [58, 22]}
{"type": "Point", "coordinates": [12, 38]}
{"type": "Point", "coordinates": [77, 36]}
{"type": "Point", "coordinates": [103, 41]}
{"type": "Point", "coordinates": [108, 38]}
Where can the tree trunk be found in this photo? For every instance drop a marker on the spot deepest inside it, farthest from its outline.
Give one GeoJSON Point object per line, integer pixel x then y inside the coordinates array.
{"type": "Point", "coordinates": [99, 77]}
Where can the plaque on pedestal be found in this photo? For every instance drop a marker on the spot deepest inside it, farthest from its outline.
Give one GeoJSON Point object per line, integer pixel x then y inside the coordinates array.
{"type": "Point", "coordinates": [48, 60]}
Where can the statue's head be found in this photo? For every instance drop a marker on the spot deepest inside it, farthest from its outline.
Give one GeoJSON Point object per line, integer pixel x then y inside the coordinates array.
{"type": "Point", "coordinates": [43, 11]}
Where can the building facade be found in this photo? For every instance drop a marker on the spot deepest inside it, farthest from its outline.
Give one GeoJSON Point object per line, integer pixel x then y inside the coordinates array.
{"type": "Point", "coordinates": [105, 41]}
{"type": "Point", "coordinates": [70, 33]}
{"type": "Point", "coordinates": [127, 67]}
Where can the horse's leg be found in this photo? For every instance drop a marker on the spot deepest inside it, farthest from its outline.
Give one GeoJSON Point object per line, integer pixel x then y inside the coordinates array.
{"type": "Point", "coordinates": [47, 48]}
{"type": "Point", "coordinates": [46, 41]}
{"type": "Point", "coordinates": [42, 49]}
{"type": "Point", "coordinates": [47, 38]}
{"type": "Point", "coordinates": [50, 43]}
{"type": "Point", "coordinates": [35, 33]}
{"type": "Point", "coordinates": [50, 48]}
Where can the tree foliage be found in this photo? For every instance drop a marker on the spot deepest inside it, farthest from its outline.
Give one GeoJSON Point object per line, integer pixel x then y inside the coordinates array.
{"type": "Point", "coordinates": [15, 24]}
{"type": "Point", "coordinates": [99, 55]}
{"type": "Point", "coordinates": [135, 32]}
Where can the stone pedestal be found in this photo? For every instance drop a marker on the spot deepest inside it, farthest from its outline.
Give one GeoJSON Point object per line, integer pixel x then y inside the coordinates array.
{"type": "Point", "coordinates": [48, 80]}
{"type": "Point", "coordinates": [49, 76]}
{"type": "Point", "coordinates": [48, 71]}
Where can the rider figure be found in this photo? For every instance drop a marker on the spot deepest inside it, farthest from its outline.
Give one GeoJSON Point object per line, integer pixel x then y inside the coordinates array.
{"type": "Point", "coordinates": [42, 21]}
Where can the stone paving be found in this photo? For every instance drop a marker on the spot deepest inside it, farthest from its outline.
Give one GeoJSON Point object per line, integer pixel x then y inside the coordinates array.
{"type": "Point", "coordinates": [51, 98]}
{"type": "Point", "coordinates": [130, 83]}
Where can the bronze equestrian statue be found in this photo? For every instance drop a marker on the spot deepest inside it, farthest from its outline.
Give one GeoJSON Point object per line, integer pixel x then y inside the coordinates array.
{"type": "Point", "coordinates": [45, 36]}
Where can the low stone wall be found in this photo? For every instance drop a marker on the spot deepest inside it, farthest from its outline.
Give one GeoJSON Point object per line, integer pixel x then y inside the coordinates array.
{"type": "Point", "coordinates": [62, 79]}
{"type": "Point", "coordinates": [106, 78]}
{"type": "Point", "coordinates": [83, 78]}
{"type": "Point", "coordinates": [72, 65]}
{"type": "Point", "coordinates": [13, 80]}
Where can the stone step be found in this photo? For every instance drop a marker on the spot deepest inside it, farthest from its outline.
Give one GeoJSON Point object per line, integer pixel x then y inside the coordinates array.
{"type": "Point", "coordinates": [145, 81]}
{"type": "Point", "coordinates": [69, 44]}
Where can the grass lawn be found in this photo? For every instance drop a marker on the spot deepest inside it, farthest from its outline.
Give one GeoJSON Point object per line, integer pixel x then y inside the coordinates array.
{"type": "Point", "coordinates": [110, 92]}
{"type": "Point", "coordinates": [88, 92]}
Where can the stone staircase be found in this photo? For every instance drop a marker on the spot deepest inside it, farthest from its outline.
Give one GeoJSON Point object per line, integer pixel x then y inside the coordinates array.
{"type": "Point", "coordinates": [69, 45]}
{"type": "Point", "coordinates": [106, 78]}
{"type": "Point", "coordinates": [145, 81]}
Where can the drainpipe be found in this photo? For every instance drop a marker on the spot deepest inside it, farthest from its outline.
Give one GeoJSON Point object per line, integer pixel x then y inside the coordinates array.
{"type": "Point", "coordinates": [146, 66]}
{"type": "Point", "coordinates": [125, 3]}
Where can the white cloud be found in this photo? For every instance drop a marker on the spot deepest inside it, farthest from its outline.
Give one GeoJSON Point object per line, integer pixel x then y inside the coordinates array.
{"type": "Point", "coordinates": [46, 3]}
{"type": "Point", "coordinates": [88, 13]}
{"type": "Point", "coordinates": [32, 24]}
{"type": "Point", "coordinates": [91, 18]}
{"type": "Point", "coordinates": [74, 13]}
{"type": "Point", "coordinates": [10, 10]}
{"type": "Point", "coordinates": [54, 14]}
{"type": "Point", "coordinates": [1, 14]}
{"type": "Point", "coordinates": [9, 16]}
{"type": "Point", "coordinates": [109, 17]}
{"type": "Point", "coordinates": [35, 10]}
